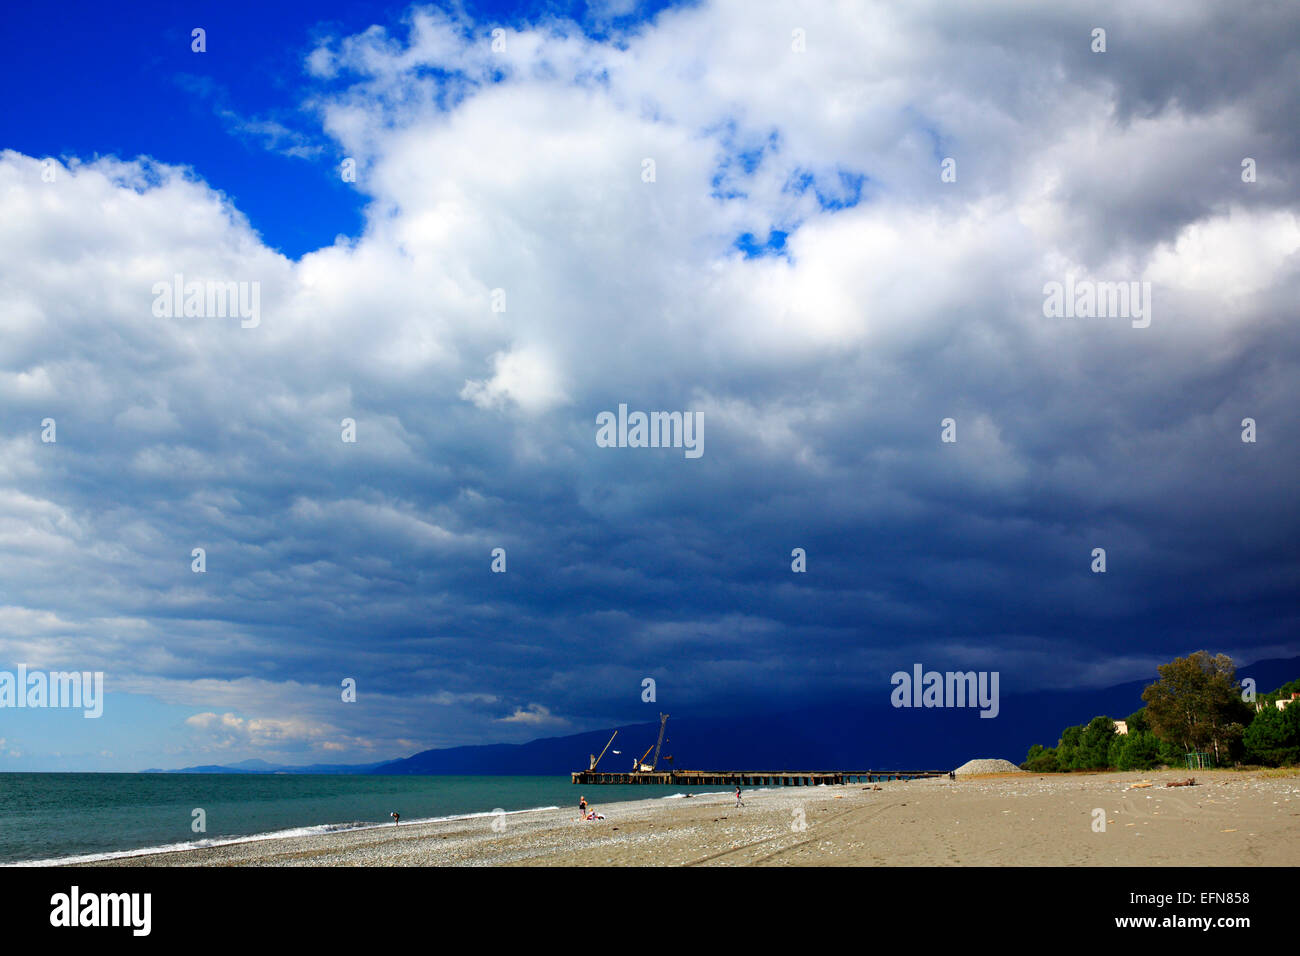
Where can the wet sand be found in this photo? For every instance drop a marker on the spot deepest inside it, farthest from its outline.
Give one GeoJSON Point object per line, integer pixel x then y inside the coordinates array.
{"type": "Point", "coordinates": [1228, 819]}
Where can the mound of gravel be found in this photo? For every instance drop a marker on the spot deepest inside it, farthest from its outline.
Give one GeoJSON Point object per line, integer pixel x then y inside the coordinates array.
{"type": "Point", "coordinates": [987, 766]}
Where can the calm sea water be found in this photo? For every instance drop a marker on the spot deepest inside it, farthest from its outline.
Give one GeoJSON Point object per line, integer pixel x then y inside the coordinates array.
{"type": "Point", "coordinates": [49, 816]}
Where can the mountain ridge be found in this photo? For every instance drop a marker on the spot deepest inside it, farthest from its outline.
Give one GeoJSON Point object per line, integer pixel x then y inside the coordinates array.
{"type": "Point", "coordinates": [842, 735]}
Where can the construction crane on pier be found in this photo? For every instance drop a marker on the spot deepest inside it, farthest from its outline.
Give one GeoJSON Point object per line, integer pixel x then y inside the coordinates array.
{"type": "Point", "coordinates": [594, 759]}
{"type": "Point", "coordinates": [640, 765]}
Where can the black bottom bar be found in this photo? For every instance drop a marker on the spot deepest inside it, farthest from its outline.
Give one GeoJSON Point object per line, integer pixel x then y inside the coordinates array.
{"type": "Point", "coordinates": [301, 906]}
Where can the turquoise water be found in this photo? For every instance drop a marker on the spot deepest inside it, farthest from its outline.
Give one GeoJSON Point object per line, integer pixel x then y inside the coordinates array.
{"type": "Point", "coordinates": [46, 816]}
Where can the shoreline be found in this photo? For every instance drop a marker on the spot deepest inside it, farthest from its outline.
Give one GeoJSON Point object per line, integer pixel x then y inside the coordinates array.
{"type": "Point", "coordinates": [1246, 818]}
{"type": "Point", "coordinates": [315, 829]}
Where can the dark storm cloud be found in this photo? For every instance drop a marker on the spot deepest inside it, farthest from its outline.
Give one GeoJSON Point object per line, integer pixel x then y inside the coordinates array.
{"type": "Point", "coordinates": [822, 378]}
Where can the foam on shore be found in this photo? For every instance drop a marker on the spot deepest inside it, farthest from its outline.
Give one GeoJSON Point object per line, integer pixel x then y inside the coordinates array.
{"type": "Point", "coordinates": [316, 830]}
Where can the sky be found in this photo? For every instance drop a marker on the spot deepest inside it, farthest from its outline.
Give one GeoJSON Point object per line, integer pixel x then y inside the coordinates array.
{"type": "Point", "coordinates": [821, 230]}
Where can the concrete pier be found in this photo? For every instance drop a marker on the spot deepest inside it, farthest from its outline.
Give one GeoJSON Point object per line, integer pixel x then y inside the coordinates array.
{"type": "Point", "coordinates": [752, 778]}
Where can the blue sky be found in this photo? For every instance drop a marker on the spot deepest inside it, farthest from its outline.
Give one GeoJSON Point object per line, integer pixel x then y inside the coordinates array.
{"type": "Point", "coordinates": [731, 209]}
{"type": "Point", "coordinates": [101, 83]}
{"type": "Point", "coordinates": [130, 86]}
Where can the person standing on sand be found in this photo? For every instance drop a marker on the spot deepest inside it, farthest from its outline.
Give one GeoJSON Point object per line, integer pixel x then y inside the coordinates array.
{"type": "Point", "coordinates": [396, 816]}
{"type": "Point", "coordinates": [582, 805]}
{"type": "Point", "coordinates": [739, 802]}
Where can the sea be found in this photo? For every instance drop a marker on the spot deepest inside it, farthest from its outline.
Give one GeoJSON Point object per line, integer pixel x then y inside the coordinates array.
{"type": "Point", "coordinates": [48, 818]}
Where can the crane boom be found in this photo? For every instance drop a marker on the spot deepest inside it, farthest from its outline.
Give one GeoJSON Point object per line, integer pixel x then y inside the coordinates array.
{"type": "Point", "coordinates": [641, 765]}
{"type": "Point", "coordinates": [594, 759]}
{"type": "Point", "coordinates": [663, 725]}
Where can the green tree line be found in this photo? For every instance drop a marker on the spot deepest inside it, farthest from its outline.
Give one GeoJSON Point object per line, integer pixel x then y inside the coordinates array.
{"type": "Point", "coordinates": [1197, 704]}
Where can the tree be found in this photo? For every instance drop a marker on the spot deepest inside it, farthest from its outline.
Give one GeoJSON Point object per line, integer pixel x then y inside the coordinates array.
{"type": "Point", "coordinates": [1138, 750]}
{"type": "Point", "coordinates": [1093, 752]}
{"type": "Point", "coordinates": [1282, 693]}
{"type": "Point", "coordinates": [1115, 749]}
{"type": "Point", "coordinates": [1068, 746]}
{"type": "Point", "coordinates": [1197, 704]}
{"type": "Point", "coordinates": [1289, 688]}
{"type": "Point", "coordinates": [1040, 760]}
{"type": "Point", "coordinates": [1138, 720]}
{"type": "Point", "coordinates": [1171, 755]}
{"type": "Point", "coordinates": [1273, 737]}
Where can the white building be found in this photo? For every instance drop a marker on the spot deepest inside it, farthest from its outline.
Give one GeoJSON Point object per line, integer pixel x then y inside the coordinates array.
{"type": "Point", "coordinates": [1282, 703]}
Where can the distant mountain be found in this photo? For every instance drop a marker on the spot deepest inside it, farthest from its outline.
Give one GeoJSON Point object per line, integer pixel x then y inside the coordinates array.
{"type": "Point", "coordinates": [844, 735]}
{"type": "Point", "coordinates": [848, 734]}
{"type": "Point", "coordinates": [550, 755]}
{"type": "Point", "coordinates": [261, 766]}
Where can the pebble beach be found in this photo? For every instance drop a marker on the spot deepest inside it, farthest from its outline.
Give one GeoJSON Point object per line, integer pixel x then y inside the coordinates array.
{"type": "Point", "coordinates": [1228, 818]}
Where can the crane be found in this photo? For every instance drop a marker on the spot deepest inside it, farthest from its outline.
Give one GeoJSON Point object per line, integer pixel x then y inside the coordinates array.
{"type": "Point", "coordinates": [594, 759]}
{"type": "Point", "coordinates": [641, 765]}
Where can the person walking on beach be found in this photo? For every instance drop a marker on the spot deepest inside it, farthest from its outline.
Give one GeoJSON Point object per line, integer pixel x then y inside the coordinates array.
{"type": "Point", "coordinates": [739, 802]}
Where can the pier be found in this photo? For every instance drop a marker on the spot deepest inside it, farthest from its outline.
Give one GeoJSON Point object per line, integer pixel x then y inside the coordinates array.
{"type": "Point", "coordinates": [649, 773]}
{"type": "Point", "coordinates": [752, 778]}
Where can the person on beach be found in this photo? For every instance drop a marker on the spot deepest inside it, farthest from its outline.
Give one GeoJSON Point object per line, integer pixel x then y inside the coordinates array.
{"type": "Point", "coordinates": [396, 816]}
{"type": "Point", "coordinates": [582, 805]}
{"type": "Point", "coordinates": [739, 802]}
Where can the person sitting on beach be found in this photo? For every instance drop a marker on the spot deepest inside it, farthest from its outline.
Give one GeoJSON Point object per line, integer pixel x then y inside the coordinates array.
{"type": "Point", "coordinates": [396, 816]}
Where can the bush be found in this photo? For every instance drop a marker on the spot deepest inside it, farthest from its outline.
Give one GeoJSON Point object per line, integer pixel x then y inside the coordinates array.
{"type": "Point", "coordinates": [1273, 737]}
{"type": "Point", "coordinates": [1137, 751]}
{"type": "Point", "coordinates": [1040, 760]}
{"type": "Point", "coordinates": [1093, 752]}
{"type": "Point", "coordinates": [1114, 750]}
{"type": "Point", "coordinates": [1067, 747]}
{"type": "Point", "coordinates": [1172, 754]}
{"type": "Point", "coordinates": [1138, 720]}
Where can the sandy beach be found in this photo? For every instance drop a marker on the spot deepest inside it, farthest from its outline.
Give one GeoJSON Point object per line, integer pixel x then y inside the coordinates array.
{"type": "Point", "coordinates": [1229, 818]}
